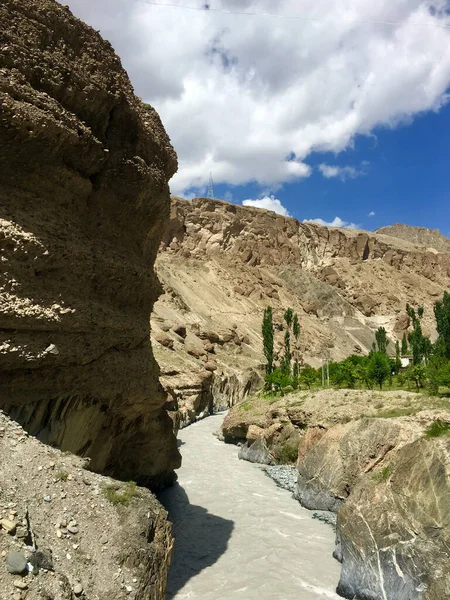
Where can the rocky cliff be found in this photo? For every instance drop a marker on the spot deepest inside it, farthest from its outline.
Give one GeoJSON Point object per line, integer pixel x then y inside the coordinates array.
{"type": "Point", "coordinates": [222, 264]}
{"type": "Point", "coordinates": [84, 170]}
{"type": "Point", "coordinates": [420, 236]}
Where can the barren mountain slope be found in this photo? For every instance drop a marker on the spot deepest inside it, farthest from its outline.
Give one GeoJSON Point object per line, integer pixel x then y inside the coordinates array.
{"type": "Point", "coordinates": [222, 264]}
{"type": "Point", "coordinates": [421, 236]}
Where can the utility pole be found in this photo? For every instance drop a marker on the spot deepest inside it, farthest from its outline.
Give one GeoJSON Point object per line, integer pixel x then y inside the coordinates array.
{"type": "Point", "coordinates": [211, 186]}
{"type": "Point", "coordinates": [323, 371]}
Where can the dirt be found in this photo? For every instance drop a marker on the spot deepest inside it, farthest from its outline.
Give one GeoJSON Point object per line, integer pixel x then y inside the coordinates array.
{"type": "Point", "coordinates": [62, 519]}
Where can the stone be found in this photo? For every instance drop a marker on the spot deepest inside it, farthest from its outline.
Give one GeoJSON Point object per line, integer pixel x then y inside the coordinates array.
{"type": "Point", "coordinates": [72, 529]}
{"type": "Point", "coordinates": [8, 526]}
{"type": "Point", "coordinates": [16, 563]}
{"type": "Point", "coordinates": [393, 531]}
{"type": "Point", "coordinates": [42, 559]}
{"type": "Point", "coordinates": [18, 583]}
{"type": "Point", "coordinates": [78, 589]}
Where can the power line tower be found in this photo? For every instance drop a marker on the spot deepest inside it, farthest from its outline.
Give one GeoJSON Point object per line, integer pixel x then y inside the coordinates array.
{"type": "Point", "coordinates": [211, 186]}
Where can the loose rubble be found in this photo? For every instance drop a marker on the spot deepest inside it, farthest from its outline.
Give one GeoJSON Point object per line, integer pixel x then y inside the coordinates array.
{"type": "Point", "coordinates": [79, 545]}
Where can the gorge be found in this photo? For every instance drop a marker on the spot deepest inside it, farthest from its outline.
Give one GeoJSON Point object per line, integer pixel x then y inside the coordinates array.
{"type": "Point", "coordinates": [97, 374]}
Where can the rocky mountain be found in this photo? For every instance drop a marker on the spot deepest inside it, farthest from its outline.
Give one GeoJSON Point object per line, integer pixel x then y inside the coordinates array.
{"type": "Point", "coordinates": [84, 170]}
{"type": "Point", "coordinates": [420, 236]}
{"type": "Point", "coordinates": [221, 264]}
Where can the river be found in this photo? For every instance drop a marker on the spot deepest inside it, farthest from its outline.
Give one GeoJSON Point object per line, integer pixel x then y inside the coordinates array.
{"type": "Point", "coordinates": [237, 535]}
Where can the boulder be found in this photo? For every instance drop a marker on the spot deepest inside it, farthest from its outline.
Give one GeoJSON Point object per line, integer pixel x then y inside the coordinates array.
{"type": "Point", "coordinates": [394, 531]}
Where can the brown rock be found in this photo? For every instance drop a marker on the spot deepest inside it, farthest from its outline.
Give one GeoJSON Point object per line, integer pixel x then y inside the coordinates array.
{"type": "Point", "coordinates": [84, 170]}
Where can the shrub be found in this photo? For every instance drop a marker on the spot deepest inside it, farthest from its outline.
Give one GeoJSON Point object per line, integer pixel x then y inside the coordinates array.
{"type": "Point", "coordinates": [120, 495]}
{"type": "Point", "coordinates": [383, 475]}
{"type": "Point", "coordinates": [438, 429]}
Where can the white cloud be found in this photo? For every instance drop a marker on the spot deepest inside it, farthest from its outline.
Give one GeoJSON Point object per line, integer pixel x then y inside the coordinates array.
{"type": "Point", "coordinates": [250, 98]}
{"type": "Point", "coordinates": [269, 203]}
{"type": "Point", "coordinates": [336, 222]}
{"type": "Point", "coordinates": [343, 173]}
{"type": "Point", "coordinates": [371, 214]}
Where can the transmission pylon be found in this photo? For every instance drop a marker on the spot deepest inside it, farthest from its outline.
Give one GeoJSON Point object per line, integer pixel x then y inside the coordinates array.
{"type": "Point", "coordinates": [211, 186]}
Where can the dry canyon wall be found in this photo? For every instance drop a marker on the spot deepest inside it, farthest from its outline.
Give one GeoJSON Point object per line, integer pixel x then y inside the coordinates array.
{"type": "Point", "coordinates": [84, 170]}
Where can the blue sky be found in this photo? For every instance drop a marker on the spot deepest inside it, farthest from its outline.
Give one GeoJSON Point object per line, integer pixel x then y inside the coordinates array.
{"type": "Point", "coordinates": [327, 110]}
{"type": "Point", "coordinates": [407, 179]}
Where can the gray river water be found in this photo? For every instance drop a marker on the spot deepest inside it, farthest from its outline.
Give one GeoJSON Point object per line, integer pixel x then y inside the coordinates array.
{"type": "Point", "coordinates": [237, 535]}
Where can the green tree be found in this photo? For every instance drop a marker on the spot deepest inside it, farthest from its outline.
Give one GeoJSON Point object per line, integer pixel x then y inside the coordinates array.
{"type": "Point", "coordinates": [417, 374]}
{"type": "Point", "coordinates": [296, 327]}
{"type": "Point", "coordinates": [288, 316]}
{"type": "Point", "coordinates": [398, 361]}
{"type": "Point", "coordinates": [278, 379]}
{"type": "Point", "coordinates": [362, 374]}
{"type": "Point", "coordinates": [379, 368]}
{"type": "Point", "coordinates": [442, 315]}
{"type": "Point", "coordinates": [267, 333]}
{"type": "Point", "coordinates": [381, 340]}
{"type": "Point", "coordinates": [420, 345]}
{"type": "Point", "coordinates": [308, 376]}
{"type": "Point", "coordinates": [404, 345]}
{"type": "Point", "coordinates": [286, 361]}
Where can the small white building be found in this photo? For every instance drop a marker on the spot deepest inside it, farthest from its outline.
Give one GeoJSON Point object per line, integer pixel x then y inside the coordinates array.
{"type": "Point", "coordinates": [406, 360]}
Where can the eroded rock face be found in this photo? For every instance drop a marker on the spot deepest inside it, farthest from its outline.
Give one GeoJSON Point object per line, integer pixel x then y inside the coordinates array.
{"type": "Point", "coordinates": [84, 170]}
{"type": "Point", "coordinates": [333, 466]}
{"type": "Point", "coordinates": [395, 534]}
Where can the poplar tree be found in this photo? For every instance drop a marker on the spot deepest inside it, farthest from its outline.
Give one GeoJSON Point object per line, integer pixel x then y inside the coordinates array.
{"type": "Point", "coordinates": [267, 333]}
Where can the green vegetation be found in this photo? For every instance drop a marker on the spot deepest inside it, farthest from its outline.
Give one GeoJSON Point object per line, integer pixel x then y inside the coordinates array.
{"type": "Point", "coordinates": [120, 495]}
{"type": "Point", "coordinates": [382, 475]}
{"type": "Point", "coordinates": [267, 332]}
{"type": "Point", "coordinates": [288, 452]}
{"type": "Point", "coordinates": [429, 370]}
{"type": "Point", "coordinates": [62, 476]}
{"type": "Point", "coordinates": [438, 429]}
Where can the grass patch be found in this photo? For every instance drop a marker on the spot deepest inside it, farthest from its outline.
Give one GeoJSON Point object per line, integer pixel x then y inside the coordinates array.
{"type": "Point", "coordinates": [62, 476]}
{"type": "Point", "coordinates": [383, 475]}
{"type": "Point", "coordinates": [398, 412]}
{"type": "Point", "coordinates": [120, 495]}
{"type": "Point", "coordinates": [438, 429]}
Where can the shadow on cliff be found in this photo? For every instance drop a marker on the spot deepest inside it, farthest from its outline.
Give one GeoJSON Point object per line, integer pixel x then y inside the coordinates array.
{"type": "Point", "coordinates": [200, 538]}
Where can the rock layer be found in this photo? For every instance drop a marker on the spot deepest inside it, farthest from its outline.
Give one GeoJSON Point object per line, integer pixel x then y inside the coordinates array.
{"type": "Point", "coordinates": [84, 170]}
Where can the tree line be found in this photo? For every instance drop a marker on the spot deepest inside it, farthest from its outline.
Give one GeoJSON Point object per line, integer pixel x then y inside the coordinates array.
{"type": "Point", "coordinates": [430, 363]}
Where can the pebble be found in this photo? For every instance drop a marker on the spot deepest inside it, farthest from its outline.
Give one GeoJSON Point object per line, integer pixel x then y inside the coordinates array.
{"type": "Point", "coordinates": [78, 589]}
{"type": "Point", "coordinates": [16, 563]}
{"type": "Point", "coordinates": [58, 533]}
{"type": "Point", "coordinates": [17, 597]}
{"type": "Point", "coordinates": [48, 498]}
{"type": "Point", "coordinates": [8, 526]}
{"type": "Point", "coordinates": [103, 539]}
{"type": "Point", "coordinates": [72, 529]}
{"type": "Point", "coordinates": [285, 477]}
{"type": "Point", "coordinates": [18, 583]}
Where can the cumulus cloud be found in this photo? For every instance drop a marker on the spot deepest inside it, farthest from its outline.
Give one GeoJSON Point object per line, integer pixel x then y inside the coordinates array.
{"type": "Point", "coordinates": [372, 213]}
{"type": "Point", "coordinates": [329, 171]}
{"type": "Point", "coordinates": [250, 97]}
{"type": "Point", "coordinates": [336, 222]}
{"type": "Point", "coordinates": [269, 203]}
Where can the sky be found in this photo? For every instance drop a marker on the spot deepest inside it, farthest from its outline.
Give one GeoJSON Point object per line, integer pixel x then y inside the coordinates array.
{"type": "Point", "coordinates": [330, 110]}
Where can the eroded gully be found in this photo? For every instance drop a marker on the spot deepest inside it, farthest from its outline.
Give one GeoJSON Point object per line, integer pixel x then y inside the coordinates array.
{"type": "Point", "coordinates": [238, 536]}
